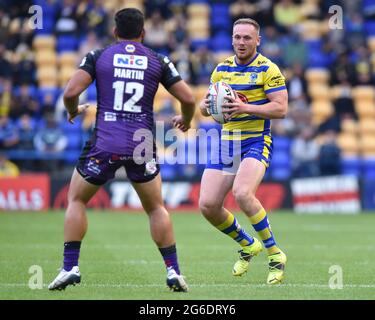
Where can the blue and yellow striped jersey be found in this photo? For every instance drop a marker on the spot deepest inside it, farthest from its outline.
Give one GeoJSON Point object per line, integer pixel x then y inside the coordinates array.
{"type": "Point", "coordinates": [252, 82]}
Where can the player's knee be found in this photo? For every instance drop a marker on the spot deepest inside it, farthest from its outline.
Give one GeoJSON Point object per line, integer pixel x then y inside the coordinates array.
{"type": "Point", "coordinates": [155, 209]}
{"type": "Point", "coordinates": [75, 197]}
{"type": "Point", "coordinates": [209, 207]}
{"type": "Point", "coordinates": [243, 196]}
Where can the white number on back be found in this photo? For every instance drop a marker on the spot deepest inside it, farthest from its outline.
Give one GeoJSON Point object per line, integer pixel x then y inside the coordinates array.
{"type": "Point", "coordinates": [135, 88]}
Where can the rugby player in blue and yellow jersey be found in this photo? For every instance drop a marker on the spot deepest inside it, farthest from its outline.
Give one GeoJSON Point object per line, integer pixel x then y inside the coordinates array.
{"type": "Point", "coordinates": [261, 96]}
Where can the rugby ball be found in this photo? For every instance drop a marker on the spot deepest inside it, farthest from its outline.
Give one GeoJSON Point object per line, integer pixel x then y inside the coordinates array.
{"type": "Point", "coordinates": [218, 92]}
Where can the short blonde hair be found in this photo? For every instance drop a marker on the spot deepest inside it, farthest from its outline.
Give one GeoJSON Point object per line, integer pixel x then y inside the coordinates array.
{"type": "Point", "coordinates": [248, 21]}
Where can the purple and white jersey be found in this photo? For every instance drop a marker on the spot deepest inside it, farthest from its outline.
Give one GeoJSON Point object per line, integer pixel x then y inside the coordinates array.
{"type": "Point", "coordinates": [127, 76]}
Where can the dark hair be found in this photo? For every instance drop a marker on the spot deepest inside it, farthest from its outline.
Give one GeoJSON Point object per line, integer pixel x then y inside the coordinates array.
{"type": "Point", "coordinates": [248, 21]}
{"type": "Point", "coordinates": [129, 23]}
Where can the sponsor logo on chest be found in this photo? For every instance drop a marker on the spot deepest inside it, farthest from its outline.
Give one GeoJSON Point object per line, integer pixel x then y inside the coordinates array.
{"type": "Point", "coordinates": [130, 61]}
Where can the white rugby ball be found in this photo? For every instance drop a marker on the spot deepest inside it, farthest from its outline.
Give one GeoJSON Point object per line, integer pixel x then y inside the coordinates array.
{"type": "Point", "coordinates": [218, 92]}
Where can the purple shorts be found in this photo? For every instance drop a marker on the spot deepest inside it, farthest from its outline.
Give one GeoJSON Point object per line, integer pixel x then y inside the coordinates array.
{"type": "Point", "coordinates": [97, 166]}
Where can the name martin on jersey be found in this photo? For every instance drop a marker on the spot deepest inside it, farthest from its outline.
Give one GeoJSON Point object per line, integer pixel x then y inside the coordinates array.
{"type": "Point", "coordinates": [129, 66]}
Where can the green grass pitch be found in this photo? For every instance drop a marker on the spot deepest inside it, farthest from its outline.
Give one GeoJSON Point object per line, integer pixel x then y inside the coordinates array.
{"type": "Point", "coordinates": [120, 261]}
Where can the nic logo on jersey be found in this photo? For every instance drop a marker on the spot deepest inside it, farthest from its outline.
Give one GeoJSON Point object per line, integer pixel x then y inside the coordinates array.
{"type": "Point", "coordinates": [130, 61]}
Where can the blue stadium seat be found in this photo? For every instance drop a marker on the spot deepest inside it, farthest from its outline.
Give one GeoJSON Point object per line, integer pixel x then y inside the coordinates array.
{"type": "Point", "coordinates": [351, 166]}
{"type": "Point", "coordinates": [281, 159]}
{"type": "Point", "coordinates": [314, 45]}
{"type": "Point", "coordinates": [281, 143]}
{"type": "Point", "coordinates": [67, 127]}
{"type": "Point", "coordinates": [222, 41]}
{"type": "Point", "coordinates": [197, 43]}
{"type": "Point", "coordinates": [319, 59]}
{"type": "Point", "coordinates": [268, 175]}
{"type": "Point", "coordinates": [67, 43]}
{"type": "Point", "coordinates": [369, 27]}
{"type": "Point", "coordinates": [42, 92]}
{"type": "Point", "coordinates": [368, 167]}
{"type": "Point", "coordinates": [220, 9]}
{"type": "Point", "coordinates": [281, 165]}
{"type": "Point", "coordinates": [32, 91]}
{"type": "Point", "coordinates": [33, 123]}
{"type": "Point", "coordinates": [368, 7]}
{"type": "Point", "coordinates": [168, 171]}
{"type": "Point", "coordinates": [194, 1]}
{"type": "Point", "coordinates": [220, 18]}
{"type": "Point", "coordinates": [74, 141]}
{"type": "Point", "coordinates": [280, 173]}
{"type": "Point", "coordinates": [71, 157]}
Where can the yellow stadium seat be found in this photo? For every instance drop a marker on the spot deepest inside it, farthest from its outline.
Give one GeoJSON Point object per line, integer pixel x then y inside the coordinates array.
{"type": "Point", "coordinates": [138, 4]}
{"type": "Point", "coordinates": [68, 59]}
{"type": "Point", "coordinates": [162, 92]}
{"type": "Point", "coordinates": [65, 74]}
{"type": "Point", "coordinates": [110, 5]}
{"type": "Point", "coordinates": [198, 10]}
{"type": "Point", "coordinates": [371, 43]}
{"type": "Point", "coordinates": [317, 75]}
{"type": "Point", "coordinates": [309, 9]}
{"type": "Point", "coordinates": [319, 91]}
{"type": "Point", "coordinates": [365, 109]}
{"type": "Point", "coordinates": [312, 1]}
{"type": "Point", "coordinates": [15, 25]}
{"type": "Point", "coordinates": [47, 76]}
{"type": "Point", "coordinates": [44, 42]}
{"type": "Point", "coordinates": [348, 144]}
{"type": "Point", "coordinates": [311, 29]}
{"type": "Point", "coordinates": [367, 145]}
{"type": "Point", "coordinates": [176, 106]}
{"type": "Point", "coordinates": [200, 92]}
{"type": "Point", "coordinates": [321, 111]}
{"type": "Point", "coordinates": [222, 55]}
{"type": "Point", "coordinates": [349, 126]}
{"type": "Point", "coordinates": [367, 126]}
{"type": "Point", "coordinates": [160, 98]}
{"type": "Point", "coordinates": [198, 25]}
{"type": "Point", "coordinates": [364, 93]}
{"type": "Point", "coordinates": [46, 58]}
{"type": "Point", "coordinates": [199, 34]}
{"type": "Point", "coordinates": [372, 58]}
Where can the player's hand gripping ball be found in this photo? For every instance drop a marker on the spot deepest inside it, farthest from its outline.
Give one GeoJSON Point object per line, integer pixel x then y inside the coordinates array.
{"type": "Point", "coordinates": [217, 97]}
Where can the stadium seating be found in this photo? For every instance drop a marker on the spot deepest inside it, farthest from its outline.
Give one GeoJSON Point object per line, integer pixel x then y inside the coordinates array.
{"type": "Point", "coordinates": [351, 166]}
{"type": "Point", "coordinates": [348, 144]}
{"type": "Point", "coordinates": [209, 24]}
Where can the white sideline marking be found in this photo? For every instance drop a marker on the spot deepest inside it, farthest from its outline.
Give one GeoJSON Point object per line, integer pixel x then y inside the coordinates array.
{"type": "Point", "coordinates": [210, 285]}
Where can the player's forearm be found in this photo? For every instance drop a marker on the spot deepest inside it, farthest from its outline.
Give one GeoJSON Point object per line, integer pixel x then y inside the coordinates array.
{"type": "Point", "coordinates": [71, 103]}
{"type": "Point", "coordinates": [187, 110]}
{"type": "Point", "coordinates": [270, 110]}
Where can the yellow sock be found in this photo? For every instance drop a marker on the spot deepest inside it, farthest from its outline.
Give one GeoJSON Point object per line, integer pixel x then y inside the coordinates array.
{"type": "Point", "coordinates": [261, 225]}
{"type": "Point", "coordinates": [233, 229]}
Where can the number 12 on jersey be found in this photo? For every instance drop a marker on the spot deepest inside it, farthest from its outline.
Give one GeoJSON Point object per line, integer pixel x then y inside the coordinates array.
{"type": "Point", "coordinates": [134, 88]}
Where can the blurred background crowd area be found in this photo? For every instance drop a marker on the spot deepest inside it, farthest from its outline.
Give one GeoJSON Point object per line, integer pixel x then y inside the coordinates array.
{"type": "Point", "coordinates": [330, 127]}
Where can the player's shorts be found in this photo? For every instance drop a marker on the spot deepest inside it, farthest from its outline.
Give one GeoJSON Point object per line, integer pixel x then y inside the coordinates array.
{"type": "Point", "coordinates": [97, 166]}
{"type": "Point", "coordinates": [230, 153]}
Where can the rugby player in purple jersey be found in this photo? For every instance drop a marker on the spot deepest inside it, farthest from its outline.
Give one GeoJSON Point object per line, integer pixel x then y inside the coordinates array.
{"type": "Point", "coordinates": [127, 76]}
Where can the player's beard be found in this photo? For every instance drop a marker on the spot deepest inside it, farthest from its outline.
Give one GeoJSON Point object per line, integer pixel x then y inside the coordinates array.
{"type": "Point", "coordinates": [245, 56]}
